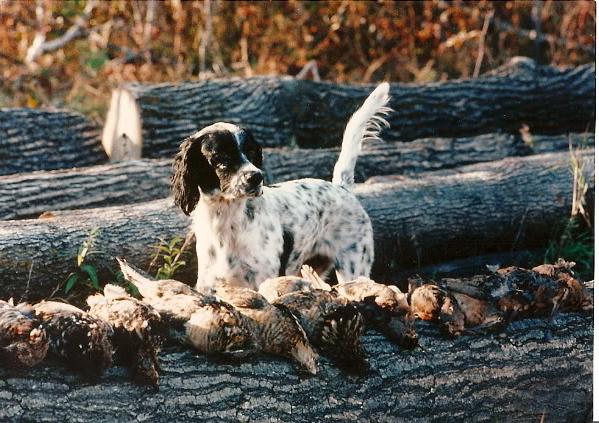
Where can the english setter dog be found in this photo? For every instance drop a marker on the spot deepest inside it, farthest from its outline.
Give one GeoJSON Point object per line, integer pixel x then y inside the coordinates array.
{"type": "Point", "coordinates": [247, 232]}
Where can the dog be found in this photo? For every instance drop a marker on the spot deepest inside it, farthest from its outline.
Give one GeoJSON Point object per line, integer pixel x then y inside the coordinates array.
{"type": "Point", "coordinates": [247, 232]}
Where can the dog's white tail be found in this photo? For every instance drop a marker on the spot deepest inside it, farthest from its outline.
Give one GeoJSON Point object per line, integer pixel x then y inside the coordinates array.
{"type": "Point", "coordinates": [365, 124]}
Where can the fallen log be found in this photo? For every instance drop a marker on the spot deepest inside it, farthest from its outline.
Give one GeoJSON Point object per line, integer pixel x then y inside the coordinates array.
{"type": "Point", "coordinates": [423, 155]}
{"type": "Point", "coordinates": [152, 120]}
{"type": "Point", "coordinates": [29, 195]}
{"type": "Point", "coordinates": [36, 256]}
{"type": "Point", "coordinates": [521, 376]}
{"type": "Point", "coordinates": [32, 139]}
{"type": "Point", "coordinates": [496, 206]}
{"type": "Point", "coordinates": [505, 205]}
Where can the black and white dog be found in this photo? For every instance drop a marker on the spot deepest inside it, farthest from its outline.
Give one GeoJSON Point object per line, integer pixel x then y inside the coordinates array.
{"type": "Point", "coordinates": [247, 232]}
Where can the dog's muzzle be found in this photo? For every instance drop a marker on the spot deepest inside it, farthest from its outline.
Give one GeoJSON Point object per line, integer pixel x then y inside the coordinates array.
{"type": "Point", "coordinates": [252, 181]}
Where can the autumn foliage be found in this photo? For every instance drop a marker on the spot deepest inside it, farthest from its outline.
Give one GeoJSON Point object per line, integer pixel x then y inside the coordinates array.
{"type": "Point", "coordinates": [154, 41]}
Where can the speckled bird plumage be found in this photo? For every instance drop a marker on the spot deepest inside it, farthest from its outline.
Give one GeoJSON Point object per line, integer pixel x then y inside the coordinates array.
{"type": "Point", "coordinates": [276, 330]}
{"type": "Point", "coordinates": [334, 325]}
{"type": "Point", "coordinates": [138, 331]}
{"type": "Point", "coordinates": [489, 303]}
{"type": "Point", "coordinates": [384, 307]}
{"type": "Point", "coordinates": [542, 291]}
{"type": "Point", "coordinates": [207, 323]}
{"type": "Point", "coordinates": [23, 340]}
{"type": "Point", "coordinates": [80, 340]}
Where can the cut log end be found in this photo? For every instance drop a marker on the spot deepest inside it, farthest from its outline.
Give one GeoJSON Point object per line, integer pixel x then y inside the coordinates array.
{"type": "Point", "coordinates": [122, 138]}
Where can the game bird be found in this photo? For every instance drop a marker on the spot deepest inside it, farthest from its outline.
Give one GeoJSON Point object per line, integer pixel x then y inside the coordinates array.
{"type": "Point", "coordinates": [79, 339]}
{"type": "Point", "coordinates": [276, 330]}
{"type": "Point", "coordinates": [205, 322]}
{"type": "Point", "coordinates": [23, 340]}
{"type": "Point", "coordinates": [139, 331]}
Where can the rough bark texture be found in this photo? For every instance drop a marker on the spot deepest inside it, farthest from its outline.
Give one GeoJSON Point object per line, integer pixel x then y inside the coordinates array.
{"type": "Point", "coordinates": [522, 376]}
{"type": "Point", "coordinates": [29, 195]}
{"type": "Point", "coordinates": [51, 244]}
{"type": "Point", "coordinates": [33, 139]}
{"type": "Point", "coordinates": [498, 206]}
{"type": "Point", "coordinates": [290, 112]}
{"type": "Point", "coordinates": [427, 154]}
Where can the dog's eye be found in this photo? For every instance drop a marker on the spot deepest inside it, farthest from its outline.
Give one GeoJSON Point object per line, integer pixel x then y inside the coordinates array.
{"type": "Point", "coordinates": [219, 162]}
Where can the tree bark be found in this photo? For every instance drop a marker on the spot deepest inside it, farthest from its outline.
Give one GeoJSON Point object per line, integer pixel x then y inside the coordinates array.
{"type": "Point", "coordinates": [510, 204]}
{"type": "Point", "coordinates": [50, 244]}
{"type": "Point", "coordinates": [29, 195]}
{"type": "Point", "coordinates": [33, 139]}
{"type": "Point", "coordinates": [505, 205]}
{"type": "Point", "coordinates": [427, 154]}
{"type": "Point", "coordinates": [290, 112]}
{"type": "Point", "coordinates": [519, 376]}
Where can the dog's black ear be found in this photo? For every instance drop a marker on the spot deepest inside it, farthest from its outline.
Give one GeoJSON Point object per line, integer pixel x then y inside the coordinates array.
{"type": "Point", "coordinates": [191, 172]}
{"type": "Point", "coordinates": [252, 149]}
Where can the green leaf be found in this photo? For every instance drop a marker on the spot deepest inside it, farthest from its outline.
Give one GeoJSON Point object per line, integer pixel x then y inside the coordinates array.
{"type": "Point", "coordinates": [97, 60]}
{"type": "Point", "coordinates": [93, 275]}
{"type": "Point", "coordinates": [71, 281]}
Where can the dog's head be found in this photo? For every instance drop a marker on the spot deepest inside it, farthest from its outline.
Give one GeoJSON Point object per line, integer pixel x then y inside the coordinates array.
{"type": "Point", "coordinates": [221, 161]}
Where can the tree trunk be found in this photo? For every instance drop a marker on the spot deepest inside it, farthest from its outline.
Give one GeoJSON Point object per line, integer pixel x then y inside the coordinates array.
{"type": "Point", "coordinates": [521, 376]}
{"type": "Point", "coordinates": [29, 195]}
{"type": "Point", "coordinates": [33, 139]}
{"type": "Point", "coordinates": [50, 244]}
{"type": "Point", "coordinates": [152, 120]}
{"type": "Point", "coordinates": [498, 206]}
{"type": "Point", "coordinates": [427, 154]}
{"type": "Point", "coordinates": [505, 205]}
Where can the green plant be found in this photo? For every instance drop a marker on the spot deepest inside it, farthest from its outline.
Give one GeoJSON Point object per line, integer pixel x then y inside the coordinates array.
{"type": "Point", "coordinates": [171, 254]}
{"type": "Point", "coordinates": [129, 287]}
{"type": "Point", "coordinates": [575, 242]}
{"type": "Point", "coordinates": [85, 273]}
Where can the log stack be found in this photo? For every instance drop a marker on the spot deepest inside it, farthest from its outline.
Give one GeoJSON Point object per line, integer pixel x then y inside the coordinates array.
{"type": "Point", "coordinates": [287, 112]}
{"type": "Point", "coordinates": [470, 167]}
{"type": "Point", "coordinates": [494, 206]}
{"type": "Point", "coordinates": [27, 195]}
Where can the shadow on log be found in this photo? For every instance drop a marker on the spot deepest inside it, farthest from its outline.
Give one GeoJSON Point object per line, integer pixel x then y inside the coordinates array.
{"type": "Point", "coordinates": [291, 112]}
{"type": "Point", "coordinates": [495, 206]}
{"type": "Point", "coordinates": [32, 139]}
{"type": "Point", "coordinates": [136, 181]}
{"type": "Point", "coordinates": [519, 376]}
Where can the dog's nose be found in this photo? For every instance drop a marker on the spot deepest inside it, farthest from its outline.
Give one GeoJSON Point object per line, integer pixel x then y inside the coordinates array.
{"type": "Point", "coordinates": [253, 177]}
